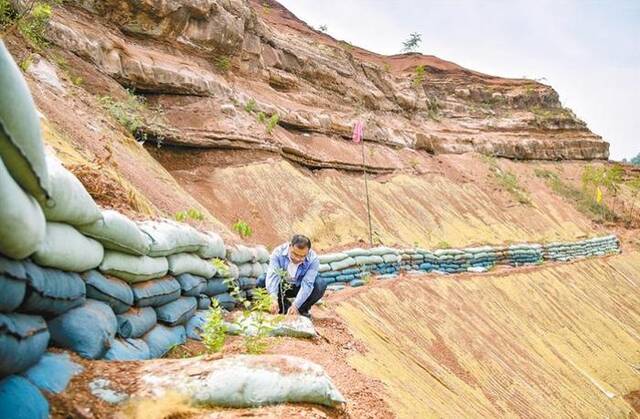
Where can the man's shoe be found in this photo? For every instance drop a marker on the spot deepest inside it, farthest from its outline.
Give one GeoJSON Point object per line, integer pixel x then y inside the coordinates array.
{"type": "Point", "coordinates": [306, 314]}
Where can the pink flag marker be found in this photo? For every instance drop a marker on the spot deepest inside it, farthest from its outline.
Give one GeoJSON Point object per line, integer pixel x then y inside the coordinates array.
{"type": "Point", "coordinates": [358, 132]}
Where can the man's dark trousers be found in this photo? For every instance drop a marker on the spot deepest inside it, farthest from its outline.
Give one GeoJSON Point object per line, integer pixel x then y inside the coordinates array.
{"type": "Point", "coordinates": [319, 287]}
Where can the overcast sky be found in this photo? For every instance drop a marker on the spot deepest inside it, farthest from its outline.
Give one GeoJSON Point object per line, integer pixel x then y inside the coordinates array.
{"type": "Point", "coordinates": [588, 50]}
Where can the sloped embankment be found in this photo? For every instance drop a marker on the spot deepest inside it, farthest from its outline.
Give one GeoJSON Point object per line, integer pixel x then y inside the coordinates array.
{"type": "Point", "coordinates": [561, 341]}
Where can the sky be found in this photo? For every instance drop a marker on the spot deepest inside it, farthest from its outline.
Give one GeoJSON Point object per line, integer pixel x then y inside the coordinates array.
{"type": "Point", "coordinates": [588, 50]}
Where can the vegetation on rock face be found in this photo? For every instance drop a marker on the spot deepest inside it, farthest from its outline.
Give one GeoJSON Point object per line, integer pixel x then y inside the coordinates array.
{"type": "Point", "coordinates": [508, 181]}
{"type": "Point", "coordinates": [31, 20]}
{"type": "Point", "coordinates": [418, 77]}
{"type": "Point", "coordinates": [190, 214]}
{"type": "Point", "coordinates": [127, 112]}
{"type": "Point", "coordinates": [242, 228]}
{"type": "Point", "coordinates": [412, 43]}
{"type": "Point", "coordinates": [223, 64]}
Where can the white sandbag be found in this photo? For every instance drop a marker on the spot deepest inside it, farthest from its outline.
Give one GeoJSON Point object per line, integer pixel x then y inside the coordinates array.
{"type": "Point", "coordinates": [332, 257]}
{"type": "Point", "coordinates": [72, 203]}
{"type": "Point", "coordinates": [245, 270]}
{"type": "Point", "coordinates": [66, 248]}
{"type": "Point", "coordinates": [22, 224]}
{"type": "Point", "coordinates": [116, 232]}
{"type": "Point", "coordinates": [240, 254]}
{"type": "Point", "coordinates": [133, 268]}
{"type": "Point", "coordinates": [192, 264]}
{"type": "Point", "coordinates": [343, 264]}
{"type": "Point", "coordinates": [240, 381]}
{"type": "Point", "coordinates": [256, 270]}
{"type": "Point", "coordinates": [289, 326]}
{"type": "Point", "coordinates": [170, 238]}
{"type": "Point", "coordinates": [262, 254]}
{"type": "Point", "coordinates": [213, 246]}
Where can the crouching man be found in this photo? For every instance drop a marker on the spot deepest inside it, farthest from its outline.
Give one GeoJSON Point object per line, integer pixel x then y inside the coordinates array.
{"type": "Point", "coordinates": [293, 273]}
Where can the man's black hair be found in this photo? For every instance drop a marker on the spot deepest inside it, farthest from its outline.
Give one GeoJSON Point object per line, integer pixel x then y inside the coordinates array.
{"type": "Point", "coordinates": [300, 241]}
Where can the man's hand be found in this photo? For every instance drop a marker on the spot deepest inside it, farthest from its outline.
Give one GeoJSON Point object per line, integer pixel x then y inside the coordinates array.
{"type": "Point", "coordinates": [293, 310]}
{"type": "Point", "coordinates": [274, 306]}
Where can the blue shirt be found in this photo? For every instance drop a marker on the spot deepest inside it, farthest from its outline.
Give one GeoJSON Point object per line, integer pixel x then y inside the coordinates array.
{"type": "Point", "coordinates": [305, 275]}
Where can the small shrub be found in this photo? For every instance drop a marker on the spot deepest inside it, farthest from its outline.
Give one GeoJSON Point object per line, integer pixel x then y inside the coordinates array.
{"type": "Point", "coordinates": [250, 106]}
{"type": "Point", "coordinates": [443, 245]}
{"type": "Point", "coordinates": [33, 25]}
{"type": "Point", "coordinates": [323, 28]}
{"type": "Point", "coordinates": [262, 117]}
{"type": "Point", "coordinates": [418, 76]}
{"type": "Point", "coordinates": [128, 112]}
{"type": "Point", "coordinates": [412, 43]}
{"type": "Point", "coordinates": [242, 228]}
{"type": "Point", "coordinates": [214, 331]}
{"type": "Point", "coordinates": [221, 266]}
{"type": "Point", "coordinates": [26, 63]}
{"type": "Point", "coordinates": [190, 214]}
{"type": "Point", "coordinates": [433, 108]}
{"type": "Point", "coordinates": [272, 122]}
{"type": "Point", "coordinates": [223, 63]}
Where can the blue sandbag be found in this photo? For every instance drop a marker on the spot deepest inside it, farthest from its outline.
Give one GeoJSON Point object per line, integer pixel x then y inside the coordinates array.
{"type": "Point", "coordinates": [345, 278]}
{"type": "Point", "coordinates": [177, 312]}
{"type": "Point", "coordinates": [357, 283]}
{"type": "Point", "coordinates": [194, 326]}
{"type": "Point", "coordinates": [247, 283]}
{"type": "Point", "coordinates": [51, 292]}
{"type": "Point", "coordinates": [156, 292]}
{"type": "Point", "coordinates": [128, 350]}
{"type": "Point", "coordinates": [226, 301]}
{"type": "Point", "coordinates": [19, 399]}
{"type": "Point", "coordinates": [216, 286]}
{"type": "Point", "coordinates": [23, 341]}
{"type": "Point", "coordinates": [192, 285]}
{"type": "Point", "coordinates": [113, 291]}
{"type": "Point", "coordinates": [88, 330]}
{"type": "Point", "coordinates": [204, 302]}
{"type": "Point", "coordinates": [162, 338]}
{"type": "Point", "coordinates": [136, 322]}
{"type": "Point", "coordinates": [53, 372]}
{"type": "Point", "coordinates": [13, 285]}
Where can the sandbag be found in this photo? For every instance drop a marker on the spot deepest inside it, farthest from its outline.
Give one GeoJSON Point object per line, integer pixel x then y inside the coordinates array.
{"type": "Point", "coordinates": [156, 293]}
{"type": "Point", "coordinates": [13, 284]}
{"type": "Point", "coordinates": [53, 372]}
{"type": "Point", "coordinates": [204, 302]}
{"type": "Point", "coordinates": [213, 246]}
{"type": "Point", "coordinates": [178, 311]}
{"type": "Point", "coordinates": [51, 292]}
{"type": "Point", "coordinates": [241, 381]}
{"type": "Point", "coordinates": [226, 301]}
{"type": "Point", "coordinates": [332, 257]}
{"type": "Point", "coordinates": [72, 204]}
{"type": "Point", "coordinates": [170, 238]}
{"type": "Point", "coordinates": [128, 350]}
{"type": "Point", "coordinates": [192, 264]}
{"type": "Point", "coordinates": [21, 146]}
{"type": "Point", "coordinates": [381, 251]}
{"type": "Point", "coordinates": [133, 268]}
{"type": "Point", "coordinates": [192, 285]}
{"type": "Point", "coordinates": [233, 271]}
{"type": "Point", "coordinates": [295, 326]}
{"type": "Point", "coordinates": [216, 286]}
{"type": "Point", "coordinates": [195, 325]}
{"type": "Point", "coordinates": [65, 248]}
{"type": "Point", "coordinates": [245, 269]}
{"type": "Point", "coordinates": [240, 254]}
{"type": "Point", "coordinates": [19, 399]}
{"type": "Point", "coordinates": [324, 268]}
{"type": "Point", "coordinates": [22, 223]}
{"type": "Point", "coordinates": [343, 264]}
{"type": "Point", "coordinates": [88, 330]}
{"type": "Point", "coordinates": [23, 341]}
{"type": "Point", "coordinates": [117, 232]}
{"type": "Point", "coordinates": [369, 260]}
{"type": "Point", "coordinates": [247, 283]}
{"type": "Point", "coordinates": [357, 252]}
{"type": "Point", "coordinates": [136, 322]}
{"type": "Point", "coordinates": [256, 270]}
{"type": "Point", "coordinates": [261, 254]}
{"type": "Point", "coordinates": [113, 291]}
{"type": "Point", "coordinates": [162, 338]}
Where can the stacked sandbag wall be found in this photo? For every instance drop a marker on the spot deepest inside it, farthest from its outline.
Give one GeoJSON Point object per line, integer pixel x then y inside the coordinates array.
{"type": "Point", "coordinates": [352, 267]}
{"type": "Point", "coordinates": [251, 264]}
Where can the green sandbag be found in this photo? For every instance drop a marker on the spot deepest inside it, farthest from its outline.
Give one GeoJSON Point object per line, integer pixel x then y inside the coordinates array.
{"type": "Point", "coordinates": [332, 257]}
{"type": "Point", "coordinates": [358, 252]}
{"type": "Point", "coordinates": [72, 203]}
{"type": "Point", "coordinates": [262, 254]}
{"type": "Point", "coordinates": [21, 145]}
{"type": "Point", "coordinates": [189, 263]}
{"type": "Point", "coordinates": [22, 224]}
{"type": "Point", "coordinates": [117, 232]}
{"type": "Point", "coordinates": [170, 238]}
{"type": "Point", "coordinates": [369, 260]}
{"type": "Point", "coordinates": [133, 268]}
{"type": "Point", "coordinates": [67, 249]}
{"type": "Point", "coordinates": [240, 254]}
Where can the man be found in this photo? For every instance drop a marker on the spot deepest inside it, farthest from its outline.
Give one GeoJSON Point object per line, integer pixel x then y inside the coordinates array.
{"type": "Point", "coordinates": [293, 273]}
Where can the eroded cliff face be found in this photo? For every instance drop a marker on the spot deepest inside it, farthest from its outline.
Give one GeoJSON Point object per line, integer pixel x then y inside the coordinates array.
{"type": "Point", "coordinates": [212, 73]}
{"type": "Point", "coordinates": [179, 51]}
